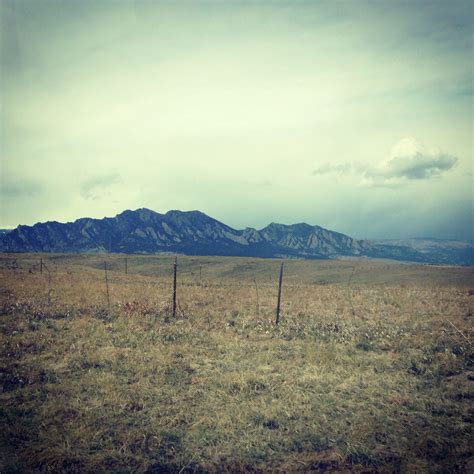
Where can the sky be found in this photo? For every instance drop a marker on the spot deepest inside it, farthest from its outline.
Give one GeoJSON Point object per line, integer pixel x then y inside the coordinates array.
{"type": "Point", "coordinates": [356, 116]}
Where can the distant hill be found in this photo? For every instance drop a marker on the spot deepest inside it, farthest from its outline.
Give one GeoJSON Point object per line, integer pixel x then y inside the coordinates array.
{"type": "Point", "coordinates": [195, 233]}
{"type": "Point", "coordinates": [436, 250]}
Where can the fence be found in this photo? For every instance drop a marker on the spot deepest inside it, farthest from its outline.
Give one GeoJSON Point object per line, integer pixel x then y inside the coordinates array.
{"type": "Point", "coordinates": [41, 265]}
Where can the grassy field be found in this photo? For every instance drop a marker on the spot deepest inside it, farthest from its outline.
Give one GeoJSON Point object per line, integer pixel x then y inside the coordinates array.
{"type": "Point", "coordinates": [370, 369]}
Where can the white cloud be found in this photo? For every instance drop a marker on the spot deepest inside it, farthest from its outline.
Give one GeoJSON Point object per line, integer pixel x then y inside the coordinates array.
{"type": "Point", "coordinates": [407, 160]}
{"type": "Point", "coordinates": [411, 160]}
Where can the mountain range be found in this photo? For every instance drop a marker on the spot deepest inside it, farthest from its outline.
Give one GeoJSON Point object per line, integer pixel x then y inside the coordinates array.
{"type": "Point", "coordinates": [195, 233]}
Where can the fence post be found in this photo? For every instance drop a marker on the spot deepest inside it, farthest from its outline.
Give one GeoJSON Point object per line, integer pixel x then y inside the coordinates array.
{"type": "Point", "coordinates": [126, 266]}
{"type": "Point", "coordinates": [49, 288]}
{"type": "Point", "coordinates": [107, 284]}
{"type": "Point", "coordinates": [41, 265]}
{"type": "Point", "coordinates": [49, 281]}
{"type": "Point", "coordinates": [277, 320]}
{"type": "Point", "coordinates": [256, 289]}
{"type": "Point", "coordinates": [175, 271]}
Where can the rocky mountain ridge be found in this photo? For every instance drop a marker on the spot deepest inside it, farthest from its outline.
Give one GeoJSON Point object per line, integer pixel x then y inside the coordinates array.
{"type": "Point", "coordinates": [195, 233]}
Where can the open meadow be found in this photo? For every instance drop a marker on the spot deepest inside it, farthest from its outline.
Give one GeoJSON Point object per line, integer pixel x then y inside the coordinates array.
{"type": "Point", "coordinates": [369, 370]}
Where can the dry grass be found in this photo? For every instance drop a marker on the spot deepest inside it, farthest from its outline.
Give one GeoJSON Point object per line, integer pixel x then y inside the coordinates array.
{"type": "Point", "coordinates": [374, 377]}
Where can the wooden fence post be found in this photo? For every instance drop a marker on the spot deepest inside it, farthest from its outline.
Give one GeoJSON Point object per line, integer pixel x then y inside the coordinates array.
{"type": "Point", "coordinates": [107, 284]}
{"type": "Point", "coordinates": [175, 271]}
{"type": "Point", "coordinates": [277, 320]}
{"type": "Point", "coordinates": [126, 266]}
{"type": "Point", "coordinates": [349, 291]}
{"type": "Point", "coordinates": [49, 281]}
{"type": "Point", "coordinates": [256, 289]}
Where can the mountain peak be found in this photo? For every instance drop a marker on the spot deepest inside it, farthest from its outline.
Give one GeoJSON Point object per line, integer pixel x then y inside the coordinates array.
{"type": "Point", "coordinates": [176, 212]}
{"type": "Point", "coordinates": [142, 211]}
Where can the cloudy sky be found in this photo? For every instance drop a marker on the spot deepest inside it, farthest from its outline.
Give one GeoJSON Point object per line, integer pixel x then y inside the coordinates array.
{"type": "Point", "coordinates": [356, 116]}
